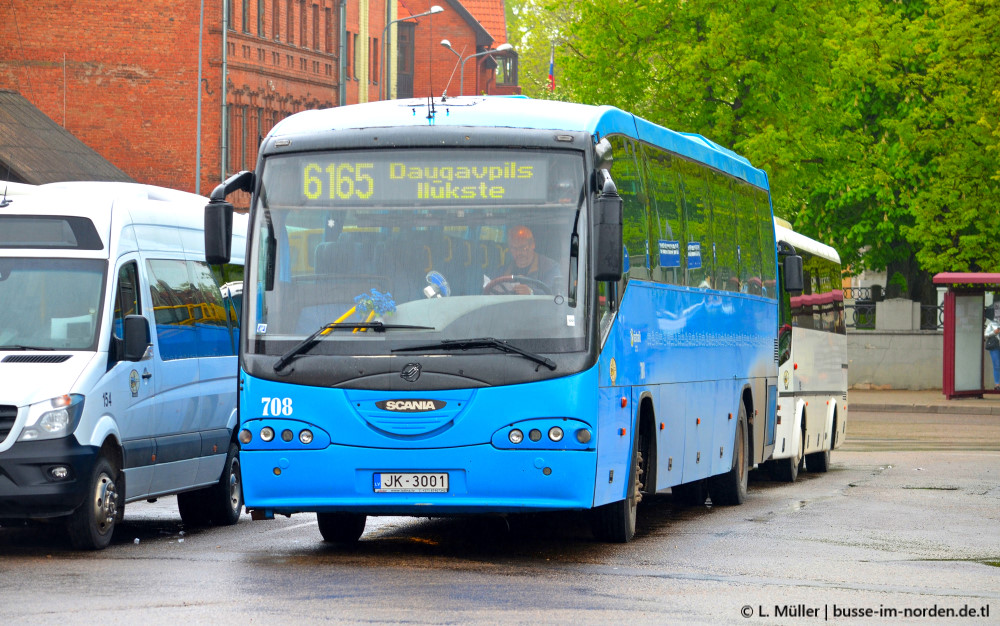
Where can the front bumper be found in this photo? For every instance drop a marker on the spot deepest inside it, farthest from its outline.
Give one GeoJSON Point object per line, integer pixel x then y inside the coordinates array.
{"type": "Point", "coordinates": [27, 488]}
{"type": "Point", "coordinates": [482, 479]}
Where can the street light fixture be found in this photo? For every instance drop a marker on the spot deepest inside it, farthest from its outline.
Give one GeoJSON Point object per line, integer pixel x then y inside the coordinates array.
{"type": "Point", "coordinates": [382, 71]}
{"type": "Point", "coordinates": [504, 47]}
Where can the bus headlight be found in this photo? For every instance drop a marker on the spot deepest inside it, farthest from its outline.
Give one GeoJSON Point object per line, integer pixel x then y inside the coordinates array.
{"type": "Point", "coordinates": [515, 436]}
{"type": "Point", "coordinates": [583, 435]}
{"type": "Point", "coordinates": [556, 433]}
{"type": "Point", "coordinates": [246, 436]}
{"type": "Point", "coordinates": [266, 433]}
{"type": "Point", "coordinates": [52, 419]}
{"type": "Point", "coordinates": [306, 437]}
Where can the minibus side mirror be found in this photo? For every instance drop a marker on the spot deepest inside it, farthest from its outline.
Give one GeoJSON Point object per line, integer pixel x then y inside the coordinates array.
{"type": "Point", "coordinates": [136, 337]}
{"type": "Point", "coordinates": [608, 245]}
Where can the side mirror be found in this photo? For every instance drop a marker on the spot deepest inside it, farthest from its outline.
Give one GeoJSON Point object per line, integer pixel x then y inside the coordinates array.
{"type": "Point", "coordinates": [136, 337]}
{"type": "Point", "coordinates": [608, 244]}
{"type": "Point", "coordinates": [219, 217]}
{"type": "Point", "coordinates": [793, 273]}
{"type": "Point", "coordinates": [218, 232]}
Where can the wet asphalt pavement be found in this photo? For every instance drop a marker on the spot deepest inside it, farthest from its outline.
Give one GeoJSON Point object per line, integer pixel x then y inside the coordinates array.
{"type": "Point", "coordinates": [904, 528]}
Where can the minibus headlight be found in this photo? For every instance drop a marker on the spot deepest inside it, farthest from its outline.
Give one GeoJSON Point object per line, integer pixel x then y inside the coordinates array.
{"type": "Point", "coordinates": [52, 419]}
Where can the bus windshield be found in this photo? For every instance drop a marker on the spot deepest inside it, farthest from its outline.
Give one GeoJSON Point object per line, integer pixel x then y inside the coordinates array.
{"type": "Point", "coordinates": [423, 246]}
{"type": "Point", "coordinates": [50, 304]}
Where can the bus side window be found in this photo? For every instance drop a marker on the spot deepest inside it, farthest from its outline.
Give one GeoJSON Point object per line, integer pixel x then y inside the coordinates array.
{"type": "Point", "coordinates": [667, 232]}
{"type": "Point", "coordinates": [635, 230]}
{"type": "Point", "coordinates": [700, 267]}
{"type": "Point", "coordinates": [724, 232]}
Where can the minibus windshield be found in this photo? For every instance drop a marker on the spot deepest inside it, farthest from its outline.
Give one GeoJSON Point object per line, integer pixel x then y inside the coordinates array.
{"type": "Point", "coordinates": [50, 304]}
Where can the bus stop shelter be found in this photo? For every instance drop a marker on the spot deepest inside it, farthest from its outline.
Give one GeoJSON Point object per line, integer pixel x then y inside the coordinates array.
{"type": "Point", "coordinates": [964, 304]}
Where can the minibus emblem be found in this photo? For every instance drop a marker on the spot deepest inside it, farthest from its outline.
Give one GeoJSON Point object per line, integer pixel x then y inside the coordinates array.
{"type": "Point", "coordinates": [411, 372]}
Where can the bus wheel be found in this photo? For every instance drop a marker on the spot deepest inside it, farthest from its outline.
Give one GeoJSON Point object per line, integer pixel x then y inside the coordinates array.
{"type": "Point", "coordinates": [615, 522]}
{"type": "Point", "coordinates": [691, 494]}
{"type": "Point", "coordinates": [341, 527]}
{"type": "Point", "coordinates": [90, 527]}
{"type": "Point", "coordinates": [731, 487]}
{"type": "Point", "coordinates": [818, 461]}
{"type": "Point", "coordinates": [788, 470]}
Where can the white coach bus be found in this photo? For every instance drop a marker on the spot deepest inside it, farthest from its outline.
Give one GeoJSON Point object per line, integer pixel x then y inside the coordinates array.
{"type": "Point", "coordinates": [812, 362]}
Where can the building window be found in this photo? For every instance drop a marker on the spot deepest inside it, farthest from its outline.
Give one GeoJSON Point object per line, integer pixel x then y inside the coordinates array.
{"type": "Point", "coordinates": [354, 69]}
{"type": "Point", "coordinates": [349, 66]}
{"type": "Point", "coordinates": [276, 19]}
{"type": "Point", "coordinates": [289, 22]}
{"type": "Point", "coordinates": [260, 18]}
{"type": "Point", "coordinates": [230, 13]}
{"type": "Point", "coordinates": [316, 26]}
{"type": "Point", "coordinates": [245, 17]}
{"type": "Point", "coordinates": [328, 30]}
{"type": "Point", "coordinates": [302, 24]}
{"type": "Point", "coordinates": [506, 73]}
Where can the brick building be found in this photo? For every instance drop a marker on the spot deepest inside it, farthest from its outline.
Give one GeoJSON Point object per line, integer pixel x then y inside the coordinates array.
{"type": "Point", "coordinates": [132, 79]}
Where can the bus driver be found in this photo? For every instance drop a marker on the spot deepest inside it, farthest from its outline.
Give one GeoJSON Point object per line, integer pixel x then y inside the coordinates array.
{"type": "Point", "coordinates": [523, 261]}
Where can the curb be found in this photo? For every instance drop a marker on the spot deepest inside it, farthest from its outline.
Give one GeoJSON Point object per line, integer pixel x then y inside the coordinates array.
{"type": "Point", "coordinates": [925, 408]}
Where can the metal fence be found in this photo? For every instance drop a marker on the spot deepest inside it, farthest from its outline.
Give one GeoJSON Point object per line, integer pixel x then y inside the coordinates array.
{"type": "Point", "coordinates": [859, 310]}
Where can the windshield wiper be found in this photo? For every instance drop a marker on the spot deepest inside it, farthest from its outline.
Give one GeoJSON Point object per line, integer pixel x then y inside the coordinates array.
{"type": "Point", "coordinates": [307, 344]}
{"type": "Point", "coordinates": [482, 342]}
{"type": "Point", "coordinates": [17, 347]}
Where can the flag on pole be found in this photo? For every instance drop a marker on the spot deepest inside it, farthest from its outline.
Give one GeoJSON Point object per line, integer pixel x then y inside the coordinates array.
{"type": "Point", "coordinates": [552, 68]}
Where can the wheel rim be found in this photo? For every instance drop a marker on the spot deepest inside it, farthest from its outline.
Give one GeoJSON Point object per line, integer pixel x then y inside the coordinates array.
{"type": "Point", "coordinates": [105, 504]}
{"type": "Point", "coordinates": [234, 485]}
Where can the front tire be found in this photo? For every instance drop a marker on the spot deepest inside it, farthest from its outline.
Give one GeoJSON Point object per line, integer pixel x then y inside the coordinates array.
{"type": "Point", "coordinates": [818, 461]}
{"type": "Point", "coordinates": [615, 522]}
{"type": "Point", "coordinates": [731, 488]}
{"type": "Point", "coordinates": [91, 526]}
{"type": "Point", "coordinates": [341, 527]}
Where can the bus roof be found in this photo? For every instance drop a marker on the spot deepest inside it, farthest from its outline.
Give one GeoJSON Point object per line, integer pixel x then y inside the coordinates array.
{"type": "Point", "coordinates": [520, 113]}
{"type": "Point", "coordinates": [802, 243]}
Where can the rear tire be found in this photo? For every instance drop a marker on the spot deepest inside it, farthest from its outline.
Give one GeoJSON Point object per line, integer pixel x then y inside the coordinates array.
{"type": "Point", "coordinates": [615, 522]}
{"type": "Point", "coordinates": [341, 527]}
{"type": "Point", "coordinates": [90, 527]}
{"type": "Point", "coordinates": [818, 461]}
{"type": "Point", "coordinates": [731, 488]}
{"type": "Point", "coordinates": [220, 504]}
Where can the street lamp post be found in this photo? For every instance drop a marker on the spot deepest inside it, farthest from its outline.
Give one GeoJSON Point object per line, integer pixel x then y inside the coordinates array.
{"type": "Point", "coordinates": [461, 83]}
{"type": "Point", "coordinates": [382, 71]}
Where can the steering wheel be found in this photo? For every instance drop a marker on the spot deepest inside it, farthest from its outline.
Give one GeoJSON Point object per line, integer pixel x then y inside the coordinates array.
{"type": "Point", "coordinates": [498, 286]}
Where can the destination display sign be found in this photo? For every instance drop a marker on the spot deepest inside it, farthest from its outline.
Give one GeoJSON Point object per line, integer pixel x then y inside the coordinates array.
{"type": "Point", "coordinates": [408, 178]}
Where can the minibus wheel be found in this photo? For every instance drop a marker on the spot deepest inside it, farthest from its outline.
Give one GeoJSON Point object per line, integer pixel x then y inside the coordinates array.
{"type": "Point", "coordinates": [341, 527]}
{"type": "Point", "coordinates": [731, 487]}
{"type": "Point", "coordinates": [90, 527]}
{"type": "Point", "coordinates": [226, 497]}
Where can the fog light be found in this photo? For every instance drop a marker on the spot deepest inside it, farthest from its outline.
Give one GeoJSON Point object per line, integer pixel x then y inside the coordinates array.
{"type": "Point", "coordinates": [556, 433]}
{"type": "Point", "coordinates": [515, 436]}
{"type": "Point", "coordinates": [306, 437]}
{"type": "Point", "coordinates": [59, 472]}
{"type": "Point", "coordinates": [583, 435]}
{"type": "Point", "coordinates": [534, 434]}
{"type": "Point", "coordinates": [246, 436]}
{"type": "Point", "coordinates": [287, 435]}
{"type": "Point", "coordinates": [267, 433]}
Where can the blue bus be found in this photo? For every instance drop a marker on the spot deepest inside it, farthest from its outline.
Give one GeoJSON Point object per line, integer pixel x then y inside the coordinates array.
{"type": "Point", "coordinates": [507, 306]}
